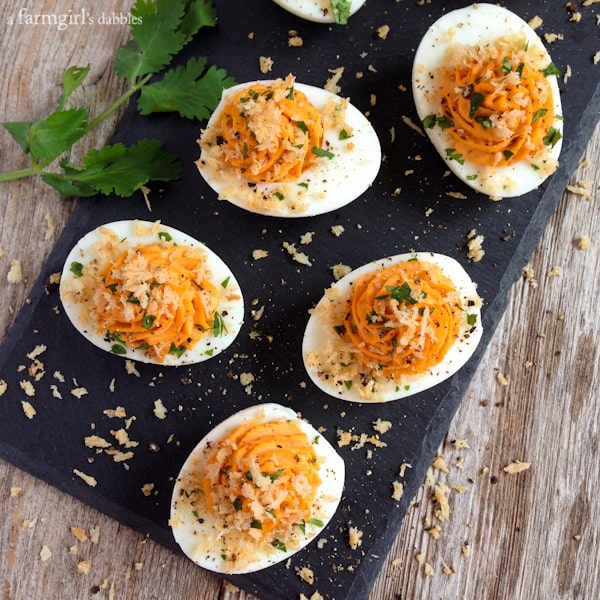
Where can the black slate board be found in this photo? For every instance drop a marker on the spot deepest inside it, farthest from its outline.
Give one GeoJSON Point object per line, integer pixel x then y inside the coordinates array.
{"type": "Point", "coordinates": [379, 223]}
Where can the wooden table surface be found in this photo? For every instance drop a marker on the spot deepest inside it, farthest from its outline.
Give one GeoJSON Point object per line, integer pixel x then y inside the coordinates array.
{"type": "Point", "coordinates": [531, 534]}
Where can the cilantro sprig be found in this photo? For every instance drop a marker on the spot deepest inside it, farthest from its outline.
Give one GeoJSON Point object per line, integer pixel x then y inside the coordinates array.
{"type": "Point", "coordinates": [159, 32]}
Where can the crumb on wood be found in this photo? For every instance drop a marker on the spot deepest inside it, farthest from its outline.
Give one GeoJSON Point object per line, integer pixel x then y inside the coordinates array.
{"type": "Point", "coordinates": [516, 466]}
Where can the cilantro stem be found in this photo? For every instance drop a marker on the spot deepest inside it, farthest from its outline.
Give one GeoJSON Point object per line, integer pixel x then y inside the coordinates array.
{"type": "Point", "coordinates": [115, 105]}
{"type": "Point", "coordinates": [18, 174]}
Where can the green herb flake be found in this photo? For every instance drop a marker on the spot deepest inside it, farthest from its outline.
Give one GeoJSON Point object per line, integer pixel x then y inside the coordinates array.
{"type": "Point", "coordinates": [507, 154]}
{"type": "Point", "coordinates": [255, 524]}
{"type": "Point", "coordinates": [148, 321]}
{"type": "Point", "coordinates": [225, 282]}
{"type": "Point", "coordinates": [552, 137]}
{"type": "Point", "coordinates": [118, 349]}
{"type": "Point", "coordinates": [321, 153]}
{"type": "Point", "coordinates": [344, 135]}
{"type": "Point", "coordinates": [301, 125]}
{"type": "Point", "coordinates": [476, 100]}
{"type": "Point", "coordinates": [237, 504]}
{"type": "Point", "coordinates": [348, 383]}
{"type": "Point", "coordinates": [539, 114]}
{"type": "Point", "coordinates": [551, 69]}
{"type": "Point", "coordinates": [76, 268]}
{"type": "Point", "coordinates": [279, 545]}
{"type": "Point", "coordinates": [219, 327]}
{"type": "Point", "coordinates": [471, 319]}
{"type": "Point", "coordinates": [177, 351]}
{"type": "Point", "coordinates": [452, 154]}
{"type": "Point", "coordinates": [165, 236]}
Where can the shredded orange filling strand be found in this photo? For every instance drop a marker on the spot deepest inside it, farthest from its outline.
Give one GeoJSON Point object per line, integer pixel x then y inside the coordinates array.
{"type": "Point", "coordinates": [500, 105]}
{"type": "Point", "coordinates": [262, 478]}
{"type": "Point", "coordinates": [156, 298]}
{"type": "Point", "coordinates": [267, 133]}
{"type": "Point", "coordinates": [403, 319]}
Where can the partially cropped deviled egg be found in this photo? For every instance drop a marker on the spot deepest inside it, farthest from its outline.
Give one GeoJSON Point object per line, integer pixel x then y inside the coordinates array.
{"type": "Point", "coordinates": [487, 95]}
{"type": "Point", "coordinates": [393, 328]}
{"type": "Point", "coordinates": [151, 293]}
{"type": "Point", "coordinates": [285, 149]}
{"type": "Point", "coordinates": [322, 11]}
{"type": "Point", "coordinates": [255, 490]}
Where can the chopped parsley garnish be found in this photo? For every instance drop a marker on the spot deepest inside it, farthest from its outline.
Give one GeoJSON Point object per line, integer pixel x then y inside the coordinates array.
{"type": "Point", "coordinates": [279, 545]}
{"type": "Point", "coordinates": [219, 327]}
{"type": "Point", "coordinates": [225, 282]}
{"type": "Point", "coordinates": [506, 65]}
{"type": "Point", "coordinates": [237, 504]}
{"type": "Point", "coordinates": [76, 268]}
{"type": "Point", "coordinates": [485, 122]}
{"type": "Point", "coordinates": [552, 137]}
{"type": "Point", "coordinates": [165, 236]}
{"type": "Point", "coordinates": [476, 100]}
{"type": "Point", "coordinates": [539, 114]}
{"type": "Point", "coordinates": [344, 135]}
{"type": "Point", "coordinates": [430, 121]}
{"type": "Point", "coordinates": [177, 351]}
{"type": "Point", "coordinates": [452, 154]}
{"type": "Point", "coordinates": [118, 349]}
{"type": "Point", "coordinates": [321, 153]}
{"type": "Point", "coordinates": [148, 321]}
{"type": "Point", "coordinates": [302, 126]}
{"type": "Point", "coordinates": [255, 524]}
{"type": "Point", "coordinates": [471, 319]}
{"type": "Point", "coordinates": [507, 154]}
{"type": "Point", "coordinates": [551, 69]}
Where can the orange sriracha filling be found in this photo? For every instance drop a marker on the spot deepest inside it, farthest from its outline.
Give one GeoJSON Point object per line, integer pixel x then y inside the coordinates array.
{"type": "Point", "coordinates": [267, 133]}
{"type": "Point", "coordinates": [497, 105]}
{"type": "Point", "coordinates": [262, 479]}
{"type": "Point", "coordinates": [156, 298]}
{"type": "Point", "coordinates": [403, 319]}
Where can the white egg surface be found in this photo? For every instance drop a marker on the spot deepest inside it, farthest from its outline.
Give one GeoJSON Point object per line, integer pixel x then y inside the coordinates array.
{"type": "Point", "coordinates": [286, 149]}
{"type": "Point", "coordinates": [151, 293]}
{"type": "Point", "coordinates": [255, 490]}
{"type": "Point", "coordinates": [486, 92]}
{"type": "Point", "coordinates": [322, 11]}
{"type": "Point", "coordinates": [393, 328]}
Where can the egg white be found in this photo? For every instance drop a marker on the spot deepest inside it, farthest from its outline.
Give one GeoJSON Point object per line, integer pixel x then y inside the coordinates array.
{"type": "Point", "coordinates": [319, 11]}
{"type": "Point", "coordinates": [320, 338]}
{"type": "Point", "coordinates": [197, 533]}
{"type": "Point", "coordinates": [478, 24]}
{"type": "Point", "coordinates": [331, 182]}
{"type": "Point", "coordinates": [231, 304]}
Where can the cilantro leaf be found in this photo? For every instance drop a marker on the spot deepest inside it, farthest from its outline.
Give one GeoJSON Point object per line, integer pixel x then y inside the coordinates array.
{"type": "Point", "coordinates": [56, 133]}
{"type": "Point", "coordinates": [19, 131]}
{"type": "Point", "coordinates": [199, 13]}
{"type": "Point", "coordinates": [341, 11]}
{"type": "Point", "coordinates": [156, 38]}
{"type": "Point", "coordinates": [68, 188]}
{"type": "Point", "coordinates": [118, 168]}
{"type": "Point", "coordinates": [72, 78]}
{"type": "Point", "coordinates": [187, 90]}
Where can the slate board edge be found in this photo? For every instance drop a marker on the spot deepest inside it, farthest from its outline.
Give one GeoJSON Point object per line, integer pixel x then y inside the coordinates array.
{"type": "Point", "coordinates": [367, 573]}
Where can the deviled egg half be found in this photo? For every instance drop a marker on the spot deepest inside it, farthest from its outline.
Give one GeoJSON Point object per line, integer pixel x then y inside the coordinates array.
{"type": "Point", "coordinates": [486, 92]}
{"type": "Point", "coordinates": [393, 328]}
{"type": "Point", "coordinates": [151, 293]}
{"type": "Point", "coordinates": [255, 490]}
{"type": "Point", "coordinates": [286, 149]}
{"type": "Point", "coordinates": [322, 11]}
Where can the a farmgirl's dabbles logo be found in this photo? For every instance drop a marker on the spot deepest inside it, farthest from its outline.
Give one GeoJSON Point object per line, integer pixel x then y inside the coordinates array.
{"type": "Point", "coordinates": [72, 18]}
